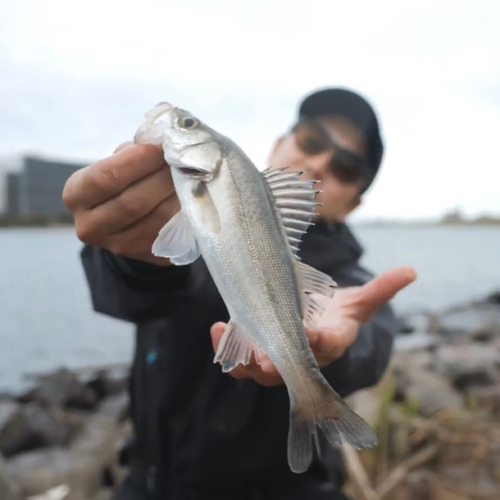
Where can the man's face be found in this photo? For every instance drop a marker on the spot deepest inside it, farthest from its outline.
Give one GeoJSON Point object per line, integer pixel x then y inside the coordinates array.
{"type": "Point", "coordinates": [300, 150]}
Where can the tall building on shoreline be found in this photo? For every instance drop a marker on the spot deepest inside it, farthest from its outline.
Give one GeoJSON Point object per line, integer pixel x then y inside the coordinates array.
{"type": "Point", "coordinates": [35, 189]}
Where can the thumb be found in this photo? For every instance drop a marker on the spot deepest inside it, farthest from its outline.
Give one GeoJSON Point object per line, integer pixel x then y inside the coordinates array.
{"type": "Point", "coordinates": [216, 333]}
{"type": "Point", "coordinates": [376, 293]}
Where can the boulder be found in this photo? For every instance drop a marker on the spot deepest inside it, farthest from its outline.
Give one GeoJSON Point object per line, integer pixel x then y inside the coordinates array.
{"type": "Point", "coordinates": [13, 428]}
{"type": "Point", "coordinates": [63, 389]}
{"type": "Point", "coordinates": [8, 489]}
{"type": "Point", "coordinates": [115, 407]}
{"type": "Point", "coordinates": [427, 391]}
{"type": "Point", "coordinates": [479, 321]}
{"type": "Point", "coordinates": [48, 426]}
{"type": "Point", "coordinates": [471, 363]}
{"type": "Point", "coordinates": [109, 382]}
{"type": "Point", "coordinates": [80, 466]}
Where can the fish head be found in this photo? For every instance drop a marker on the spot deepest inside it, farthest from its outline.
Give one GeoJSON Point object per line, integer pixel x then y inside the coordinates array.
{"type": "Point", "coordinates": [189, 146]}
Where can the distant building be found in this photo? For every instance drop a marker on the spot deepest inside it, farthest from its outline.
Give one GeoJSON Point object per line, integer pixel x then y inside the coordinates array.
{"type": "Point", "coordinates": [37, 188]}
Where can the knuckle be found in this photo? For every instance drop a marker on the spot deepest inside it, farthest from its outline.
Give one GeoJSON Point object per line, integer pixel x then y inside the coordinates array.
{"type": "Point", "coordinates": [130, 206]}
{"type": "Point", "coordinates": [85, 232]}
{"type": "Point", "coordinates": [104, 179]}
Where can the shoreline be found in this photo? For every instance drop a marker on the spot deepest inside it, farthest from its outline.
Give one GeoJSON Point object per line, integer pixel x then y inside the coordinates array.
{"type": "Point", "coordinates": [63, 435]}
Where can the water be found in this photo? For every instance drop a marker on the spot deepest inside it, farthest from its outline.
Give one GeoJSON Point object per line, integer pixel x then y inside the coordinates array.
{"type": "Point", "coordinates": [47, 319]}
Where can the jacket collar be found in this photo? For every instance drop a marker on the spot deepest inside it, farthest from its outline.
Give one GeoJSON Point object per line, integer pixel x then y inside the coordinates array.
{"type": "Point", "coordinates": [327, 246]}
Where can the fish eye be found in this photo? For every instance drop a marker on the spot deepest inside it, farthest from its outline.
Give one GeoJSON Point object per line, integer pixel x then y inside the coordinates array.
{"type": "Point", "coordinates": [188, 123]}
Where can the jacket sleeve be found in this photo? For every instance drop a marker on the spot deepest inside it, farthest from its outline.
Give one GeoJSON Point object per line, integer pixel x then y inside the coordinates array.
{"type": "Point", "coordinates": [135, 291]}
{"type": "Point", "coordinates": [366, 360]}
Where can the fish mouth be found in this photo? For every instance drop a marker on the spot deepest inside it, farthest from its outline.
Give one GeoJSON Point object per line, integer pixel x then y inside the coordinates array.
{"type": "Point", "coordinates": [192, 171]}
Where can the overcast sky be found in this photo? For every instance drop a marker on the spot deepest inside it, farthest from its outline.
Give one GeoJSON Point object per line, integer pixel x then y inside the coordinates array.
{"type": "Point", "coordinates": [76, 78]}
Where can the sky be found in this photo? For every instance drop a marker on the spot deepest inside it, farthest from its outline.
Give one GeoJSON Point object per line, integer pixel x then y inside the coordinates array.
{"type": "Point", "coordinates": [76, 79]}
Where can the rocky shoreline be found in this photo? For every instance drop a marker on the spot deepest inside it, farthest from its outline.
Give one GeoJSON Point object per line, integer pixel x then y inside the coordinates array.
{"type": "Point", "coordinates": [436, 412]}
{"type": "Point", "coordinates": [60, 440]}
{"type": "Point", "coordinates": [437, 408]}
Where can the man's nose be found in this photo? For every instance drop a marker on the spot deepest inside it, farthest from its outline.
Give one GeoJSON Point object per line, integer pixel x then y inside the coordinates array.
{"type": "Point", "coordinates": [315, 166]}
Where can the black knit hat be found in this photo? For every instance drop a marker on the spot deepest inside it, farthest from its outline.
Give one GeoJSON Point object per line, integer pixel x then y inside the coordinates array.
{"type": "Point", "coordinates": [343, 102]}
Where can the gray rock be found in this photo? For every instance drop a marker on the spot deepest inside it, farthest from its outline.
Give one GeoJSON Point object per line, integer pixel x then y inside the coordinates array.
{"type": "Point", "coordinates": [63, 389]}
{"type": "Point", "coordinates": [48, 426]}
{"type": "Point", "coordinates": [415, 341]}
{"type": "Point", "coordinates": [468, 364]}
{"type": "Point", "coordinates": [115, 407]}
{"type": "Point", "coordinates": [8, 489]}
{"type": "Point", "coordinates": [13, 428]}
{"type": "Point", "coordinates": [487, 397]}
{"type": "Point", "coordinates": [480, 321]}
{"type": "Point", "coordinates": [105, 494]}
{"type": "Point", "coordinates": [428, 391]}
{"type": "Point", "coordinates": [418, 360]}
{"type": "Point", "coordinates": [109, 382]}
{"type": "Point", "coordinates": [80, 466]}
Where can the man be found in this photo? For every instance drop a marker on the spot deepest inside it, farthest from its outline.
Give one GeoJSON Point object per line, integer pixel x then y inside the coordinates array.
{"type": "Point", "coordinates": [200, 433]}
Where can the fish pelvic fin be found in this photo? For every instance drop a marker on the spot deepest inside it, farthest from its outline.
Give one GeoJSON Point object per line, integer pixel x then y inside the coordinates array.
{"type": "Point", "coordinates": [236, 348]}
{"type": "Point", "coordinates": [325, 409]}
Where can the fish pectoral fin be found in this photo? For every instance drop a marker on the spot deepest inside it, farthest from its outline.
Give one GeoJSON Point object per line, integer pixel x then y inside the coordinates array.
{"type": "Point", "coordinates": [294, 201]}
{"type": "Point", "coordinates": [313, 282]}
{"type": "Point", "coordinates": [176, 240]}
{"type": "Point", "coordinates": [235, 347]}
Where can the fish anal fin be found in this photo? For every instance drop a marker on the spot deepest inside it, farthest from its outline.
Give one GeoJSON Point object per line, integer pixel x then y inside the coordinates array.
{"type": "Point", "coordinates": [315, 287]}
{"type": "Point", "coordinates": [236, 348]}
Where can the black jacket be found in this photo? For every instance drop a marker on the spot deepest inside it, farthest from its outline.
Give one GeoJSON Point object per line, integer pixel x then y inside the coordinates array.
{"type": "Point", "coordinates": [197, 428]}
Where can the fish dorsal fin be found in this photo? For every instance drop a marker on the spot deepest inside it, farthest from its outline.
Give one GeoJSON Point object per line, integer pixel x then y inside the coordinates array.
{"type": "Point", "coordinates": [295, 202]}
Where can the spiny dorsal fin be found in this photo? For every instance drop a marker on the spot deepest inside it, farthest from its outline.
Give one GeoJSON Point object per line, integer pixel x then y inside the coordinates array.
{"type": "Point", "coordinates": [295, 202]}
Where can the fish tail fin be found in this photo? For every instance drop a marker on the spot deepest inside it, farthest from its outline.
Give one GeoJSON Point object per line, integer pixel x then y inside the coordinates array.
{"type": "Point", "coordinates": [325, 409]}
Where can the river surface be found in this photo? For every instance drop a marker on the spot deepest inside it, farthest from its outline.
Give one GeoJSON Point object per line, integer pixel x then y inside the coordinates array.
{"type": "Point", "coordinates": [47, 320]}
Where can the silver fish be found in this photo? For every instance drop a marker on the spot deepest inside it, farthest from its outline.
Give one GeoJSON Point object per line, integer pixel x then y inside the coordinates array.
{"type": "Point", "coordinates": [247, 226]}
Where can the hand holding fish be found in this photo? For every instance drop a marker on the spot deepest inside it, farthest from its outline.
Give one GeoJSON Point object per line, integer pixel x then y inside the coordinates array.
{"type": "Point", "coordinates": [336, 329]}
{"type": "Point", "coordinates": [121, 202]}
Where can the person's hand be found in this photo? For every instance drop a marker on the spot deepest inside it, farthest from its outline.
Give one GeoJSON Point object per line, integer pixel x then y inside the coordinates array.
{"type": "Point", "coordinates": [121, 202]}
{"type": "Point", "coordinates": [336, 329]}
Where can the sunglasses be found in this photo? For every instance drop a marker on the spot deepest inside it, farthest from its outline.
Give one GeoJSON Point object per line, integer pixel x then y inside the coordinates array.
{"type": "Point", "coordinates": [344, 165]}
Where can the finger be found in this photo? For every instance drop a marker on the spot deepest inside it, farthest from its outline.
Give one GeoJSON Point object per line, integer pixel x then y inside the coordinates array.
{"type": "Point", "coordinates": [133, 204]}
{"type": "Point", "coordinates": [105, 179]}
{"type": "Point", "coordinates": [380, 290]}
{"type": "Point", "coordinates": [123, 145]}
{"type": "Point", "coordinates": [216, 333]}
{"type": "Point", "coordinates": [137, 239]}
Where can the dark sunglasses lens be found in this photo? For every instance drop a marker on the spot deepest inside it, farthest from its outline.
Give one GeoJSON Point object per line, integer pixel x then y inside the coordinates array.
{"type": "Point", "coordinates": [346, 169]}
{"type": "Point", "coordinates": [310, 140]}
